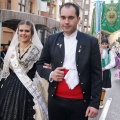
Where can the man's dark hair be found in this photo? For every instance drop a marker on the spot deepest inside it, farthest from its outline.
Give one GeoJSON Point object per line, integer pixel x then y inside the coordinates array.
{"type": "Point", "coordinates": [69, 4]}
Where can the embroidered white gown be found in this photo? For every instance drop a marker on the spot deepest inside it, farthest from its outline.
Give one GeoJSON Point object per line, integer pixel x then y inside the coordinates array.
{"type": "Point", "coordinates": [16, 103]}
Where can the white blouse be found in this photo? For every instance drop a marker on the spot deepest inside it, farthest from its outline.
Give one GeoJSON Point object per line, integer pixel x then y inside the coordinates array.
{"type": "Point", "coordinates": [112, 60]}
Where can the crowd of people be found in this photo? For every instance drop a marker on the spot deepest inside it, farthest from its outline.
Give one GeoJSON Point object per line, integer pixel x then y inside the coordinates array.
{"type": "Point", "coordinates": [77, 71]}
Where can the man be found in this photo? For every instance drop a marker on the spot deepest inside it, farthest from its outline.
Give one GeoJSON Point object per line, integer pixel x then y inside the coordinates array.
{"type": "Point", "coordinates": [76, 75]}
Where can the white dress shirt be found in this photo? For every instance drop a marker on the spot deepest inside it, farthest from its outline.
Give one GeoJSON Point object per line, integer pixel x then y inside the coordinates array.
{"type": "Point", "coordinates": [71, 77]}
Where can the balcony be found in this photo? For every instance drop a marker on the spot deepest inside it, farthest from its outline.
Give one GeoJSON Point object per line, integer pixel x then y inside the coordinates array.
{"type": "Point", "coordinates": [3, 5]}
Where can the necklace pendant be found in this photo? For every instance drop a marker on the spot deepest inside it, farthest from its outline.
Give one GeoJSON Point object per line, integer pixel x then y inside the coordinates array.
{"type": "Point", "coordinates": [22, 50]}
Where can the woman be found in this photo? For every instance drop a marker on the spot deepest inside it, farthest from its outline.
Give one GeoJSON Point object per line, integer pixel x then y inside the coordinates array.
{"type": "Point", "coordinates": [21, 95]}
{"type": "Point", "coordinates": [108, 62]}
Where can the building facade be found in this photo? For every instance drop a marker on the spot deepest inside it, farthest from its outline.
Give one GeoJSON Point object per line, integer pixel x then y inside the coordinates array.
{"type": "Point", "coordinates": [13, 11]}
{"type": "Point", "coordinates": [44, 13]}
{"type": "Point", "coordinates": [50, 8]}
{"type": "Point", "coordinates": [84, 6]}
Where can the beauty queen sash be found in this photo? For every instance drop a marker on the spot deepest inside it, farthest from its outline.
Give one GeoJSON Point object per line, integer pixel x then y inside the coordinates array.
{"type": "Point", "coordinates": [27, 82]}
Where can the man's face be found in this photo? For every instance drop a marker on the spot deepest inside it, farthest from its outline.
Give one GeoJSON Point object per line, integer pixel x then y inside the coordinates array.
{"type": "Point", "coordinates": [68, 20]}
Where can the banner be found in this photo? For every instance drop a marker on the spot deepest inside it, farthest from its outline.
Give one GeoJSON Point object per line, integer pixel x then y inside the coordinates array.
{"type": "Point", "coordinates": [110, 17]}
{"type": "Point", "coordinates": [93, 23]}
{"type": "Point", "coordinates": [98, 11]}
{"type": "Point", "coordinates": [96, 17]}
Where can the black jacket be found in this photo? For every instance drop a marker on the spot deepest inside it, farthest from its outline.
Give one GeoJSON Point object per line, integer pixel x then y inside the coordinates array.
{"type": "Point", "coordinates": [88, 64]}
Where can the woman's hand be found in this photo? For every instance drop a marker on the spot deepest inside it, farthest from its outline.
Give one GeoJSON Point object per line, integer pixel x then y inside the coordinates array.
{"type": "Point", "coordinates": [103, 69]}
{"type": "Point", "coordinates": [48, 66]}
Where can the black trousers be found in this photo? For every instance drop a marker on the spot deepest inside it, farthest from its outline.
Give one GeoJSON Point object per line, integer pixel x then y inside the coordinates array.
{"type": "Point", "coordinates": [66, 109]}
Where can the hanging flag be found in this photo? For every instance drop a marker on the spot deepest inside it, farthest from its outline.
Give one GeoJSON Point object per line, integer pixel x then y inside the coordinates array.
{"type": "Point", "coordinates": [98, 7]}
{"type": "Point", "coordinates": [110, 17]}
{"type": "Point", "coordinates": [93, 23]}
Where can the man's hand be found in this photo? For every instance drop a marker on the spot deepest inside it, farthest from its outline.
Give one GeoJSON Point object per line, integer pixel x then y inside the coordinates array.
{"type": "Point", "coordinates": [91, 112]}
{"type": "Point", "coordinates": [58, 74]}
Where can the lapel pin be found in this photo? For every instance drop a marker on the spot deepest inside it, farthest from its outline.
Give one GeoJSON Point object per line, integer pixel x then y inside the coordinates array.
{"type": "Point", "coordinates": [60, 45]}
{"type": "Point", "coordinates": [79, 50]}
{"type": "Point", "coordinates": [57, 43]}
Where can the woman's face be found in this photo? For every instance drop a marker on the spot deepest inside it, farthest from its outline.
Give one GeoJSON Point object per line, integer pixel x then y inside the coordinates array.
{"type": "Point", "coordinates": [104, 45]}
{"type": "Point", "coordinates": [24, 33]}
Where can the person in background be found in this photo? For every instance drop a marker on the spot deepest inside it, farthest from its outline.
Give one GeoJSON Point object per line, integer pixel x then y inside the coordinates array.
{"type": "Point", "coordinates": [116, 50]}
{"type": "Point", "coordinates": [4, 51]}
{"type": "Point", "coordinates": [21, 95]}
{"type": "Point", "coordinates": [75, 74]}
{"type": "Point", "coordinates": [9, 41]}
{"type": "Point", "coordinates": [108, 62]}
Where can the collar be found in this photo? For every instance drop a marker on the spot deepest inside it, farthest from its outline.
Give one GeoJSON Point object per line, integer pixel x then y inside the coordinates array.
{"type": "Point", "coordinates": [74, 34]}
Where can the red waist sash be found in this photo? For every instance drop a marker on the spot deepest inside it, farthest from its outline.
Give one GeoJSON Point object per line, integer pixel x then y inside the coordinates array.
{"type": "Point", "coordinates": [63, 90]}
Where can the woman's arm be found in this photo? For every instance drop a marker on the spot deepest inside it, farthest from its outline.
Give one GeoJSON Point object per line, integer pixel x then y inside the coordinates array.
{"type": "Point", "coordinates": [112, 61]}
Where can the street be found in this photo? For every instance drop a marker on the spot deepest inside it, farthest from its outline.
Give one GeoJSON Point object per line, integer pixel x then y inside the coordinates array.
{"type": "Point", "coordinates": [111, 110]}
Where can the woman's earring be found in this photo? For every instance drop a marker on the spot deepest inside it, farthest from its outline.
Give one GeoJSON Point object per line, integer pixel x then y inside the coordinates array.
{"type": "Point", "coordinates": [31, 40]}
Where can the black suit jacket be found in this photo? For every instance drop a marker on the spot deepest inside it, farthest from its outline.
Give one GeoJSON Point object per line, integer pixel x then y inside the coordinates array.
{"type": "Point", "coordinates": [88, 64]}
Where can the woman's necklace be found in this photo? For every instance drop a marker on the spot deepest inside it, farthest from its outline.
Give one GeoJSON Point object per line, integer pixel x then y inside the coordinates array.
{"type": "Point", "coordinates": [23, 49]}
{"type": "Point", "coordinates": [22, 53]}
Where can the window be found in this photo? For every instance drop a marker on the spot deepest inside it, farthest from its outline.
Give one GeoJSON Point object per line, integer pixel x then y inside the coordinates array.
{"type": "Point", "coordinates": [31, 6]}
{"type": "Point", "coordinates": [21, 4]}
{"type": "Point", "coordinates": [9, 5]}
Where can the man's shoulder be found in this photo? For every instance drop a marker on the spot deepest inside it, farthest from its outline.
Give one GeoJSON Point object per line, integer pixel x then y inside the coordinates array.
{"type": "Point", "coordinates": [56, 35]}
{"type": "Point", "coordinates": [88, 36]}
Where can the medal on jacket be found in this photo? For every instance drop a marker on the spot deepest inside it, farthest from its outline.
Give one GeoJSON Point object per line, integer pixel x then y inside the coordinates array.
{"type": "Point", "coordinates": [80, 49]}
{"type": "Point", "coordinates": [60, 45]}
